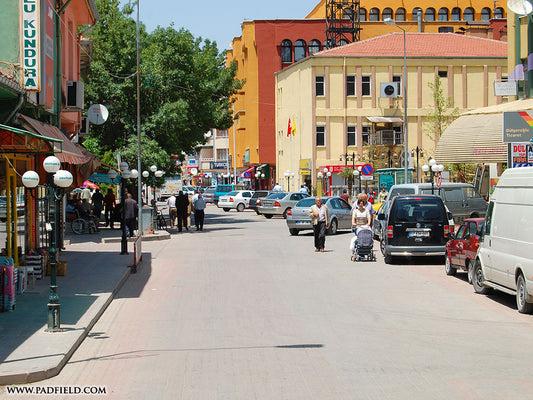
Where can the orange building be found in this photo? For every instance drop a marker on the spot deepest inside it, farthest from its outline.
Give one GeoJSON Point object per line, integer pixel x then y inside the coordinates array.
{"type": "Point", "coordinates": [268, 46]}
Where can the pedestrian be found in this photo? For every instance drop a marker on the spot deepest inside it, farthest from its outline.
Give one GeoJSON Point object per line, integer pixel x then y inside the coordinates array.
{"type": "Point", "coordinates": [130, 213]}
{"type": "Point", "coordinates": [172, 210]}
{"type": "Point", "coordinates": [320, 218]}
{"type": "Point", "coordinates": [382, 196]}
{"type": "Point", "coordinates": [190, 210]}
{"type": "Point", "coordinates": [360, 218]}
{"type": "Point", "coordinates": [199, 213]}
{"type": "Point", "coordinates": [86, 194]}
{"type": "Point", "coordinates": [367, 204]}
{"type": "Point", "coordinates": [277, 188]}
{"type": "Point", "coordinates": [303, 189]}
{"type": "Point", "coordinates": [109, 203]}
{"type": "Point", "coordinates": [345, 196]}
{"type": "Point", "coordinates": [182, 205]}
{"type": "Point", "coordinates": [98, 203]}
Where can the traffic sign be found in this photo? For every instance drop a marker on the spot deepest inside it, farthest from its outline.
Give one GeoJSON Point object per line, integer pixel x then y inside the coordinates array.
{"type": "Point", "coordinates": [438, 181]}
{"type": "Point", "coordinates": [367, 169]}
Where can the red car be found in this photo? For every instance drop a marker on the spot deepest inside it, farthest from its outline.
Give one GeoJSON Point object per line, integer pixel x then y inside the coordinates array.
{"type": "Point", "coordinates": [461, 249]}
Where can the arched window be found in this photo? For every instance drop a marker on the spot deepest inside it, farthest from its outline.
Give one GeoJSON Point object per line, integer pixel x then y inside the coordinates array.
{"type": "Point", "coordinates": [299, 49]}
{"type": "Point", "coordinates": [400, 14]}
{"type": "Point", "coordinates": [342, 42]}
{"type": "Point", "coordinates": [286, 51]}
{"type": "Point", "coordinates": [374, 14]}
{"type": "Point", "coordinates": [387, 13]}
{"type": "Point", "coordinates": [498, 12]}
{"type": "Point", "coordinates": [485, 14]}
{"type": "Point", "coordinates": [416, 11]}
{"type": "Point", "coordinates": [362, 14]}
{"type": "Point", "coordinates": [347, 13]}
{"type": "Point", "coordinates": [443, 14]}
{"type": "Point", "coordinates": [314, 46]}
{"type": "Point", "coordinates": [429, 15]}
{"type": "Point", "coordinates": [468, 14]}
{"type": "Point", "coordinates": [456, 14]}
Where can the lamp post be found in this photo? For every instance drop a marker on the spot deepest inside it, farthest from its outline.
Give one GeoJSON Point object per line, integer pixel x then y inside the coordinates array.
{"type": "Point", "coordinates": [288, 177]}
{"type": "Point", "coordinates": [257, 177]}
{"type": "Point", "coordinates": [434, 169]}
{"type": "Point", "coordinates": [155, 174]}
{"type": "Point", "coordinates": [60, 179]}
{"type": "Point", "coordinates": [419, 153]}
{"type": "Point", "coordinates": [390, 21]}
{"type": "Point", "coordinates": [347, 157]}
{"type": "Point", "coordinates": [319, 177]}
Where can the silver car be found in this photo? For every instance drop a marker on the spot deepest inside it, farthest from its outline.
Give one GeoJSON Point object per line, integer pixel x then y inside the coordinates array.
{"type": "Point", "coordinates": [340, 215]}
{"type": "Point", "coordinates": [278, 203]}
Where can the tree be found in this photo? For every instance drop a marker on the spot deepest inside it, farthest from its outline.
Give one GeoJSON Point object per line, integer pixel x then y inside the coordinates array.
{"type": "Point", "coordinates": [443, 114]}
{"type": "Point", "coordinates": [347, 173]}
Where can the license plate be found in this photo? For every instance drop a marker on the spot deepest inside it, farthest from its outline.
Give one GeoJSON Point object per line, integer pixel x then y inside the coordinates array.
{"type": "Point", "coordinates": [418, 234]}
{"type": "Point", "coordinates": [302, 222]}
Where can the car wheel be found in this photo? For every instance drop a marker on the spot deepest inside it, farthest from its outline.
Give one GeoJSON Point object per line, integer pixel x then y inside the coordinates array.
{"type": "Point", "coordinates": [450, 271]}
{"type": "Point", "coordinates": [285, 212]}
{"type": "Point", "coordinates": [470, 271]}
{"type": "Point", "coordinates": [294, 231]}
{"type": "Point", "coordinates": [268, 216]}
{"type": "Point", "coordinates": [240, 207]}
{"type": "Point", "coordinates": [226, 209]}
{"type": "Point", "coordinates": [382, 246]}
{"type": "Point", "coordinates": [387, 258]}
{"type": "Point", "coordinates": [478, 279]}
{"type": "Point", "coordinates": [333, 227]}
{"type": "Point", "coordinates": [521, 296]}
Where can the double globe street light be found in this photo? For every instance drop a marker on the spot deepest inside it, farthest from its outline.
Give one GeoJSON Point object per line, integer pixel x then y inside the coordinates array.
{"type": "Point", "coordinates": [60, 179]}
{"type": "Point", "coordinates": [434, 169]}
{"type": "Point", "coordinates": [156, 173]}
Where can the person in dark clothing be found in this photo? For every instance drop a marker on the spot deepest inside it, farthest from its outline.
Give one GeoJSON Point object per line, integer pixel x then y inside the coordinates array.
{"type": "Point", "coordinates": [130, 213]}
{"type": "Point", "coordinates": [182, 205]}
{"type": "Point", "coordinates": [98, 203]}
{"type": "Point", "coordinates": [109, 202]}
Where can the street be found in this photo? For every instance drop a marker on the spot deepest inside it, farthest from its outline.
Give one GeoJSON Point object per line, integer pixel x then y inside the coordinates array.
{"type": "Point", "coordinates": [243, 310]}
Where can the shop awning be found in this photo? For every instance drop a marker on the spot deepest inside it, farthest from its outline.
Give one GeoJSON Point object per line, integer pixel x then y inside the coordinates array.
{"type": "Point", "coordinates": [247, 173]}
{"type": "Point", "coordinates": [477, 135]}
{"type": "Point", "coordinates": [384, 119]}
{"type": "Point", "coordinates": [69, 152]}
{"type": "Point", "coordinates": [15, 140]}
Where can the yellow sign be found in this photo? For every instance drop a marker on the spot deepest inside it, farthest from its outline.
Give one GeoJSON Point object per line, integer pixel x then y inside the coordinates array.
{"type": "Point", "coordinates": [305, 172]}
{"type": "Point", "coordinates": [305, 164]}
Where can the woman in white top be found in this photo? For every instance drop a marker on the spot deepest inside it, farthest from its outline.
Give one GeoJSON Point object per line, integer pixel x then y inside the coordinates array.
{"type": "Point", "coordinates": [360, 215]}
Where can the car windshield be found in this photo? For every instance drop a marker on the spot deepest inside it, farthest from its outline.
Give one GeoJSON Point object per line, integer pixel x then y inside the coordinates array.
{"type": "Point", "coordinates": [223, 189]}
{"type": "Point", "coordinates": [277, 195]}
{"type": "Point", "coordinates": [308, 202]}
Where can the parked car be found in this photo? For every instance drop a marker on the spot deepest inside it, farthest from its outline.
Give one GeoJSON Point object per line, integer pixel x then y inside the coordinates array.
{"type": "Point", "coordinates": [378, 225]}
{"type": "Point", "coordinates": [222, 190]}
{"type": "Point", "coordinates": [416, 226]}
{"type": "Point", "coordinates": [462, 247]}
{"type": "Point", "coordinates": [257, 195]}
{"type": "Point", "coordinates": [3, 207]}
{"type": "Point", "coordinates": [209, 195]}
{"type": "Point", "coordinates": [462, 199]}
{"type": "Point", "coordinates": [238, 199]}
{"type": "Point", "coordinates": [340, 215]}
{"type": "Point", "coordinates": [504, 259]}
{"type": "Point", "coordinates": [278, 203]}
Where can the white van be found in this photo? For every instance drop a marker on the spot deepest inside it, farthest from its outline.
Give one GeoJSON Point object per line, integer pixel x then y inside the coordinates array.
{"type": "Point", "coordinates": [504, 258]}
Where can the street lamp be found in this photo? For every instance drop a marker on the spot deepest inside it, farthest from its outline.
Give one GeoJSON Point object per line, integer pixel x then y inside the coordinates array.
{"type": "Point", "coordinates": [288, 177]}
{"type": "Point", "coordinates": [155, 174]}
{"type": "Point", "coordinates": [126, 174]}
{"type": "Point", "coordinates": [434, 169]}
{"type": "Point", "coordinates": [419, 153]}
{"type": "Point", "coordinates": [348, 157]}
{"type": "Point", "coordinates": [357, 172]}
{"type": "Point", "coordinates": [61, 179]}
{"type": "Point", "coordinates": [320, 176]}
{"type": "Point", "coordinates": [390, 21]}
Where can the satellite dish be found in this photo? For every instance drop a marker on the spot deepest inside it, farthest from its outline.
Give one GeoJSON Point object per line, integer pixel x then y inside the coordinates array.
{"type": "Point", "coordinates": [97, 114]}
{"type": "Point", "coordinates": [520, 7]}
{"type": "Point", "coordinates": [207, 134]}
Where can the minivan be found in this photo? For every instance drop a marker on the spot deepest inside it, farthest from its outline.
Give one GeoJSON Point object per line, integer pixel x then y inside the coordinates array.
{"type": "Point", "coordinates": [415, 226]}
{"type": "Point", "coordinates": [461, 199]}
{"type": "Point", "coordinates": [504, 258]}
{"type": "Point", "coordinates": [222, 190]}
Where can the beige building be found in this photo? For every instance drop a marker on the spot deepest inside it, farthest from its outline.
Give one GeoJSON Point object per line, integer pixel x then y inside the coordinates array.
{"type": "Point", "coordinates": [349, 100]}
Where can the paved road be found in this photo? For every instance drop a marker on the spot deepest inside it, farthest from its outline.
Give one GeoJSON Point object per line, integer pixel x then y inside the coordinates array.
{"type": "Point", "coordinates": [242, 310]}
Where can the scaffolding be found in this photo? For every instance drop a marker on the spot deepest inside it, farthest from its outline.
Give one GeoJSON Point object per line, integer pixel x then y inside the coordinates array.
{"type": "Point", "coordinates": [342, 22]}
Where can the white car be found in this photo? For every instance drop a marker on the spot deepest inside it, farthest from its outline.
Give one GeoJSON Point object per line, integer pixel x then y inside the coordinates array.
{"type": "Point", "coordinates": [238, 199]}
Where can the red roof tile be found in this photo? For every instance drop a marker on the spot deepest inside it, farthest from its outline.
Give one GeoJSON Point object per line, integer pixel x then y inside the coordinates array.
{"type": "Point", "coordinates": [421, 45]}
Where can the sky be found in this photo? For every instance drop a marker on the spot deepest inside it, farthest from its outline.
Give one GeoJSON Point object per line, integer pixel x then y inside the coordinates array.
{"type": "Point", "coordinates": [220, 20]}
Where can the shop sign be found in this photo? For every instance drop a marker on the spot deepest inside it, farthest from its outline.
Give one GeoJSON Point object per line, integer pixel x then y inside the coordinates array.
{"type": "Point", "coordinates": [335, 169]}
{"type": "Point", "coordinates": [517, 126]}
{"type": "Point", "coordinates": [305, 164]}
{"type": "Point", "coordinates": [305, 172]}
{"type": "Point", "coordinates": [30, 37]}
{"type": "Point", "coordinates": [218, 165]}
{"type": "Point", "coordinates": [522, 154]}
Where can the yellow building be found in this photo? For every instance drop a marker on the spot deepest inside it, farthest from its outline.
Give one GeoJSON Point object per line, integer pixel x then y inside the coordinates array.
{"type": "Point", "coordinates": [338, 100]}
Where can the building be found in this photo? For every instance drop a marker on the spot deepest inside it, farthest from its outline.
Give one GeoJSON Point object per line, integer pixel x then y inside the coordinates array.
{"type": "Point", "coordinates": [339, 102]}
{"type": "Point", "coordinates": [267, 46]}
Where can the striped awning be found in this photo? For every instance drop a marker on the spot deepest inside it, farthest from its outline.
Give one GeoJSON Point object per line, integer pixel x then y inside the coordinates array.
{"type": "Point", "coordinates": [247, 173]}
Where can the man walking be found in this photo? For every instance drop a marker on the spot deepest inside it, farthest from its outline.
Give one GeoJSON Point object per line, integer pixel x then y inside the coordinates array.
{"type": "Point", "coordinates": [109, 202]}
{"type": "Point", "coordinates": [172, 210]}
{"type": "Point", "coordinates": [199, 207]}
{"type": "Point", "coordinates": [320, 219]}
{"type": "Point", "coordinates": [182, 205]}
{"type": "Point", "coordinates": [130, 213]}
{"type": "Point", "coordinates": [98, 203]}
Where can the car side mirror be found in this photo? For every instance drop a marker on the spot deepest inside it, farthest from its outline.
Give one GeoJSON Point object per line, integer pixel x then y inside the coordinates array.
{"type": "Point", "coordinates": [381, 217]}
{"type": "Point", "coordinates": [451, 235]}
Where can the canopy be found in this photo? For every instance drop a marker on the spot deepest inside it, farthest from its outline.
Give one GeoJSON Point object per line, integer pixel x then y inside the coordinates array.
{"type": "Point", "coordinates": [247, 173]}
{"type": "Point", "coordinates": [384, 119]}
{"type": "Point", "coordinates": [90, 185]}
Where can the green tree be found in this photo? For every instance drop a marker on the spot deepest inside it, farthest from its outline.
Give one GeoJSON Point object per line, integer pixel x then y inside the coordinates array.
{"type": "Point", "coordinates": [443, 114]}
{"type": "Point", "coordinates": [347, 173]}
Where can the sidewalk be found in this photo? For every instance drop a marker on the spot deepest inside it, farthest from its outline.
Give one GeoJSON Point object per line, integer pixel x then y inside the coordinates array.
{"type": "Point", "coordinates": [95, 272]}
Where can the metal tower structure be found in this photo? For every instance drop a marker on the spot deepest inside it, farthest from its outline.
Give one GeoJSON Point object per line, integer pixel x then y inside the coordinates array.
{"type": "Point", "coordinates": [342, 22]}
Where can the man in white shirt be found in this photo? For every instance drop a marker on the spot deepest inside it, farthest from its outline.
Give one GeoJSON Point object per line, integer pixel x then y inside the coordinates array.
{"type": "Point", "coordinates": [303, 189]}
{"type": "Point", "coordinates": [277, 188]}
{"type": "Point", "coordinates": [172, 210]}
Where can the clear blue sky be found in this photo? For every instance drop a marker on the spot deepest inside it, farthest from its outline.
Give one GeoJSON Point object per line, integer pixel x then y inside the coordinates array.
{"type": "Point", "coordinates": [220, 20]}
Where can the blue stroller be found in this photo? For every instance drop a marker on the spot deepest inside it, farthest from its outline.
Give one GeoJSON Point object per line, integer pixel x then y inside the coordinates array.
{"type": "Point", "coordinates": [363, 246]}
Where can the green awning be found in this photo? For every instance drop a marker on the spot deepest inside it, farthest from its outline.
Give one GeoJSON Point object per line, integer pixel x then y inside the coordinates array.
{"type": "Point", "coordinates": [26, 141]}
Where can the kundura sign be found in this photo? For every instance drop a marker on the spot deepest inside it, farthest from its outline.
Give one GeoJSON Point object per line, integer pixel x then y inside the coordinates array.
{"type": "Point", "coordinates": [30, 40]}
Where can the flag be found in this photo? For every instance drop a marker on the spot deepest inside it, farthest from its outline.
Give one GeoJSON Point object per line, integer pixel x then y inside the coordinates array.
{"type": "Point", "coordinates": [293, 128]}
{"type": "Point", "coordinates": [289, 128]}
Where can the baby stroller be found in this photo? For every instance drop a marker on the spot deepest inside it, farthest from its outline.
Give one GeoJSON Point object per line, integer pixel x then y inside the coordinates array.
{"type": "Point", "coordinates": [363, 245]}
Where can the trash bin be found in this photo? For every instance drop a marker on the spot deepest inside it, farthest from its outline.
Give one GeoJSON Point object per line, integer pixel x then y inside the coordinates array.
{"type": "Point", "coordinates": [147, 216]}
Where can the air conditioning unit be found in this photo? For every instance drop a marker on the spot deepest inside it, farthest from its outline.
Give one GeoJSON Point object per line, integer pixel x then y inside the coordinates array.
{"type": "Point", "coordinates": [84, 127]}
{"type": "Point", "coordinates": [389, 89]}
{"type": "Point", "coordinates": [75, 94]}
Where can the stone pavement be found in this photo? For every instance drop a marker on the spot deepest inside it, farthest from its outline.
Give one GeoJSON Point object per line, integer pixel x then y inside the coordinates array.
{"type": "Point", "coordinates": [96, 270]}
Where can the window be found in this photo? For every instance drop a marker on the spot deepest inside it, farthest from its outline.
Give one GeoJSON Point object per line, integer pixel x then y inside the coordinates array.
{"type": "Point", "coordinates": [223, 133]}
{"type": "Point", "coordinates": [365, 83]}
{"type": "Point", "coordinates": [398, 80]}
{"type": "Point", "coordinates": [468, 14]}
{"type": "Point", "coordinates": [347, 13]}
{"type": "Point", "coordinates": [456, 14]}
{"type": "Point", "coordinates": [367, 130]}
{"type": "Point", "coordinates": [342, 42]}
{"type": "Point", "coordinates": [299, 49]}
{"type": "Point", "coordinates": [319, 86]}
{"type": "Point", "coordinates": [443, 14]}
{"type": "Point", "coordinates": [374, 14]}
{"type": "Point", "coordinates": [222, 154]}
{"type": "Point", "coordinates": [387, 13]}
{"type": "Point", "coordinates": [350, 85]}
{"type": "Point", "coordinates": [398, 134]}
{"type": "Point", "coordinates": [416, 11]}
{"type": "Point", "coordinates": [362, 14]}
{"type": "Point", "coordinates": [498, 12]}
{"type": "Point", "coordinates": [286, 51]}
{"type": "Point", "coordinates": [314, 46]}
{"type": "Point", "coordinates": [400, 15]}
{"type": "Point", "coordinates": [352, 136]}
{"type": "Point", "coordinates": [485, 14]}
{"type": "Point", "coordinates": [429, 15]}
{"type": "Point", "coordinates": [442, 74]}
{"type": "Point", "coordinates": [320, 135]}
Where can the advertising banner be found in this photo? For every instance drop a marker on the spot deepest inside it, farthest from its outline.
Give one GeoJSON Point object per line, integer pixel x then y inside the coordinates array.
{"type": "Point", "coordinates": [517, 126]}
{"type": "Point", "coordinates": [522, 154]}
